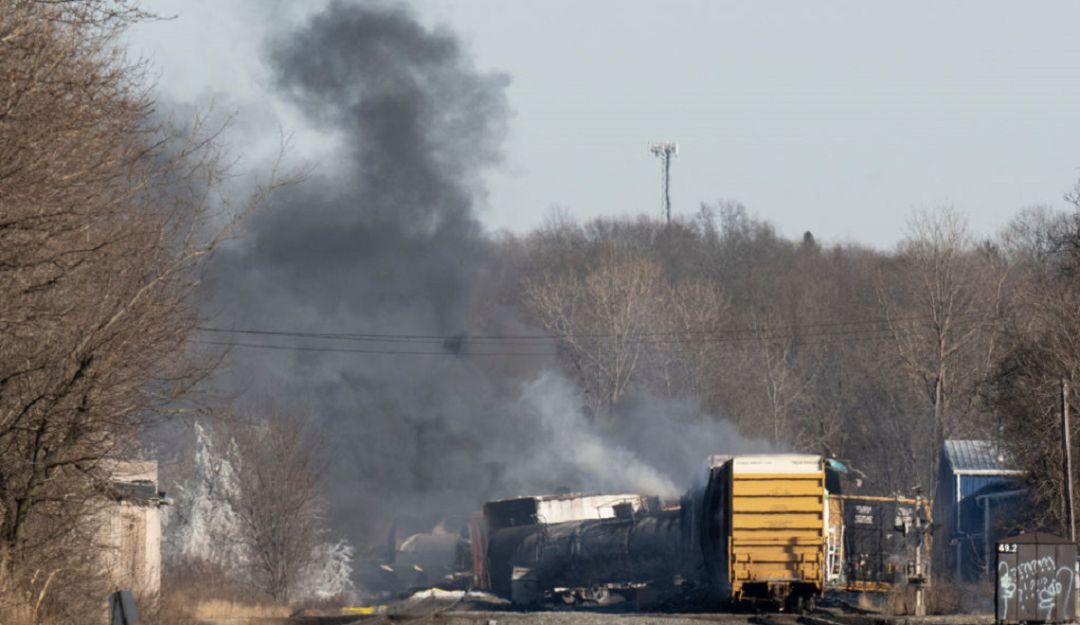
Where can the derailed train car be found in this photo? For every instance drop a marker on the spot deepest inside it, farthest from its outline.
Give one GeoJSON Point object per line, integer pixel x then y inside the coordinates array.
{"type": "Point", "coordinates": [587, 560]}
{"type": "Point", "coordinates": [761, 524]}
{"type": "Point", "coordinates": [518, 542]}
{"type": "Point", "coordinates": [754, 529]}
{"type": "Point", "coordinates": [876, 539]}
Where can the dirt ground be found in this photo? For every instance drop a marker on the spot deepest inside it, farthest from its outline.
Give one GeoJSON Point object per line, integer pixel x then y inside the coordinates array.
{"type": "Point", "coordinates": [586, 617]}
{"type": "Point", "coordinates": [560, 617]}
{"type": "Point", "coordinates": [470, 611]}
{"type": "Point", "coordinates": [459, 616]}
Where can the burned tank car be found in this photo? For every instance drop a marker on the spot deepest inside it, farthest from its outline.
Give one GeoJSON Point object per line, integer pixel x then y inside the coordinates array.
{"type": "Point", "coordinates": [590, 560]}
{"type": "Point", "coordinates": [579, 547]}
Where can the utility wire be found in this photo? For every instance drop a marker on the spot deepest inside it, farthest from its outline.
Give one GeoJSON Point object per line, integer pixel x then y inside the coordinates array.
{"type": "Point", "coordinates": [440, 337]}
{"type": "Point", "coordinates": [350, 350]}
{"type": "Point", "coordinates": [800, 340]}
{"type": "Point", "coordinates": [680, 335]}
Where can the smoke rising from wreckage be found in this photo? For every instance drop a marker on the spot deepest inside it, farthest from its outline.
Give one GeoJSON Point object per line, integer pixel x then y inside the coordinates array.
{"type": "Point", "coordinates": [392, 241]}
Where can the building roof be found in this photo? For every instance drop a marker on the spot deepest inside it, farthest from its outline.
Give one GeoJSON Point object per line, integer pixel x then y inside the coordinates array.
{"type": "Point", "coordinates": [1038, 538]}
{"type": "Point", "coordinates": [973, 457]}
{"type": "Point", "coordinates": [777, 463]}
{"type": "Point", "coordinates": [140, 493]}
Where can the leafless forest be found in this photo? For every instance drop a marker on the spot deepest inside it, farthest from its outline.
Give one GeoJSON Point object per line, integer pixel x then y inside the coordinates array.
{"type": "Point", "coordinates": [110, 219]}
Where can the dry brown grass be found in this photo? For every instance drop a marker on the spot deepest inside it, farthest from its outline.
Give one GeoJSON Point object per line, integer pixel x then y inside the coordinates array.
{"type": "Point", "coordinates": [16, 615]}
{"type": "Point", "coordinates": [222, 609]}
{"type": "Point", "coordinates": [944, 597]}
{"type": "Point", "coordinates": [187, 608]}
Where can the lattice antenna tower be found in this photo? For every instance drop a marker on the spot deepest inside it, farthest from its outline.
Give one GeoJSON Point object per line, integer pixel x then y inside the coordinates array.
{"type": "Point", "coordinates": [665, 151]}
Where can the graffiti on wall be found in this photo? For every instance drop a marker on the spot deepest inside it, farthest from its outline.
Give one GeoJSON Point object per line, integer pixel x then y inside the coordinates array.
{"type": "Point", "coordinates": [1039, 586]}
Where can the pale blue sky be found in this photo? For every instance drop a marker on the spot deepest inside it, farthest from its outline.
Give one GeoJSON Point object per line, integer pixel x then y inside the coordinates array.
{"type": "Point", "coordinates": [837, 117]}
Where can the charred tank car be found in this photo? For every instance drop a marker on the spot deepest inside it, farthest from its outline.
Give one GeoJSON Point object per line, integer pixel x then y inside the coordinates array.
{"type": "Point", "coordinates": [579, 548]}
{"type": "Point", "coordinates": [593, 560]}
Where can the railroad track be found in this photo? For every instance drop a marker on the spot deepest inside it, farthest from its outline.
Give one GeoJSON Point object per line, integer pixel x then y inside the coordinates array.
{"type": "Point", "coordinates": [792, 619]}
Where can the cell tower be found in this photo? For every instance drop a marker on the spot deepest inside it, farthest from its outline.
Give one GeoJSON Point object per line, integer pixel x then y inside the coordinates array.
{"type": "Point", "coordinates": [665, 151]}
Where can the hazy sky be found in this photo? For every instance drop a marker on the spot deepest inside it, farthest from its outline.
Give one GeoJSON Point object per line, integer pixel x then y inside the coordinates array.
{"type": "Point", "coordinates": [837, 117]}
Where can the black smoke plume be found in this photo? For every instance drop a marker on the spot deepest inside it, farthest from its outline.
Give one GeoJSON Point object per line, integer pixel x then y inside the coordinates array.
{"type": "Point", "coordinates": [384, 238]}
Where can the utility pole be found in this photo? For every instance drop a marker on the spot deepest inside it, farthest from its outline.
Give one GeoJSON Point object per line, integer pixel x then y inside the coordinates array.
{"type": "Point", "coordinates": [917, 576]}
{"type": "Point", "coordinates": [665, 151]}
{"type": "Point", "coordinates": [1067, 456]}
{"type": "Point", "coordinates": [920, 602]}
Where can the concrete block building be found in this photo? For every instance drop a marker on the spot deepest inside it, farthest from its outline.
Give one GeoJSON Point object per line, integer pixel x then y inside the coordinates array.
{"type": "Point", "coordinates": [132, 528]}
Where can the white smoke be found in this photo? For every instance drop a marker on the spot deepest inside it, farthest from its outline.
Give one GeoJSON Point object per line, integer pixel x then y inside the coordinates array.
{"type": "Point", "coordinates": [650, 446]}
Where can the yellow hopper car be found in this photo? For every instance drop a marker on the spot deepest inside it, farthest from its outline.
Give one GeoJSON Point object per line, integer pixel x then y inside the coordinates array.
{"type": "Point", "coordinates": [763, 526]}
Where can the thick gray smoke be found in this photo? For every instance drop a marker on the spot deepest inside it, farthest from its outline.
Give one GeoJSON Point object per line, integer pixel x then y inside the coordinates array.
{"type": "Point", "coordinates": [384, 238]}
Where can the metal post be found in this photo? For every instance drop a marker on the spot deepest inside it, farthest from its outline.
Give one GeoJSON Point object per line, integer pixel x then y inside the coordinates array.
{"type": "Point", "coordinates": [1067, 456]}
{"type": "Point", "coordinates": [665, 151]}
{"type": "Point", "coordinates": [987, 566]}
{"type": "Point", "coordinates": [920, 608]}
{"type": "Point", "coordinates": [920, 605]}
{"type": "Point", "coordinates": [667, 187]}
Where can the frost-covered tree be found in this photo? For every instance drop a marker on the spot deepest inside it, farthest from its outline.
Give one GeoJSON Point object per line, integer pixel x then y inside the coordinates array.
{"type": "Point", "coordinates": [329, 574]}
{"type": "Point", "coordinates": [253, 509]}
{"type": "Point", "coordinates": [200, 525]}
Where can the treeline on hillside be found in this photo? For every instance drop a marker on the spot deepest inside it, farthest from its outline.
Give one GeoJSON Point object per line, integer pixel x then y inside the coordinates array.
{"type": "Point", "coordinates": [875, 357]}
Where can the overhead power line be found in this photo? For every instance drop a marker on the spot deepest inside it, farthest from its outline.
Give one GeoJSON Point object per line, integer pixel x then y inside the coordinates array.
{"type": "Point", "coordinates": [359, 350]}
{"type": "Point", "coordinates": [772, 331]}
{"type": "Point", "coordinates": [465, 345]}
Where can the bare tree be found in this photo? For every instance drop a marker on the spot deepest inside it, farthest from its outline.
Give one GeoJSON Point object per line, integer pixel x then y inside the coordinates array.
{"type": "Point", "coordinates": [248, 513]}
{"type": "Point", "coordinates": [104, 223]}
{"type": "Point", "coordinates": [602, 319]}
{"type": "Point", "coordinates": [697, 314]}
{"type": "Point", "coordinates": [278, 500]}
{"type": "Point", "coordinates": [784, 382]}
{"type": "Point", "coordinates": [1043, 352]}
{"type": "Point", "coordinates": [942, 299]}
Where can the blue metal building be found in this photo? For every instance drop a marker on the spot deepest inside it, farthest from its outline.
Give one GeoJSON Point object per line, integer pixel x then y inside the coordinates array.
{"type": "Point", "coordinates": [979, 493]}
